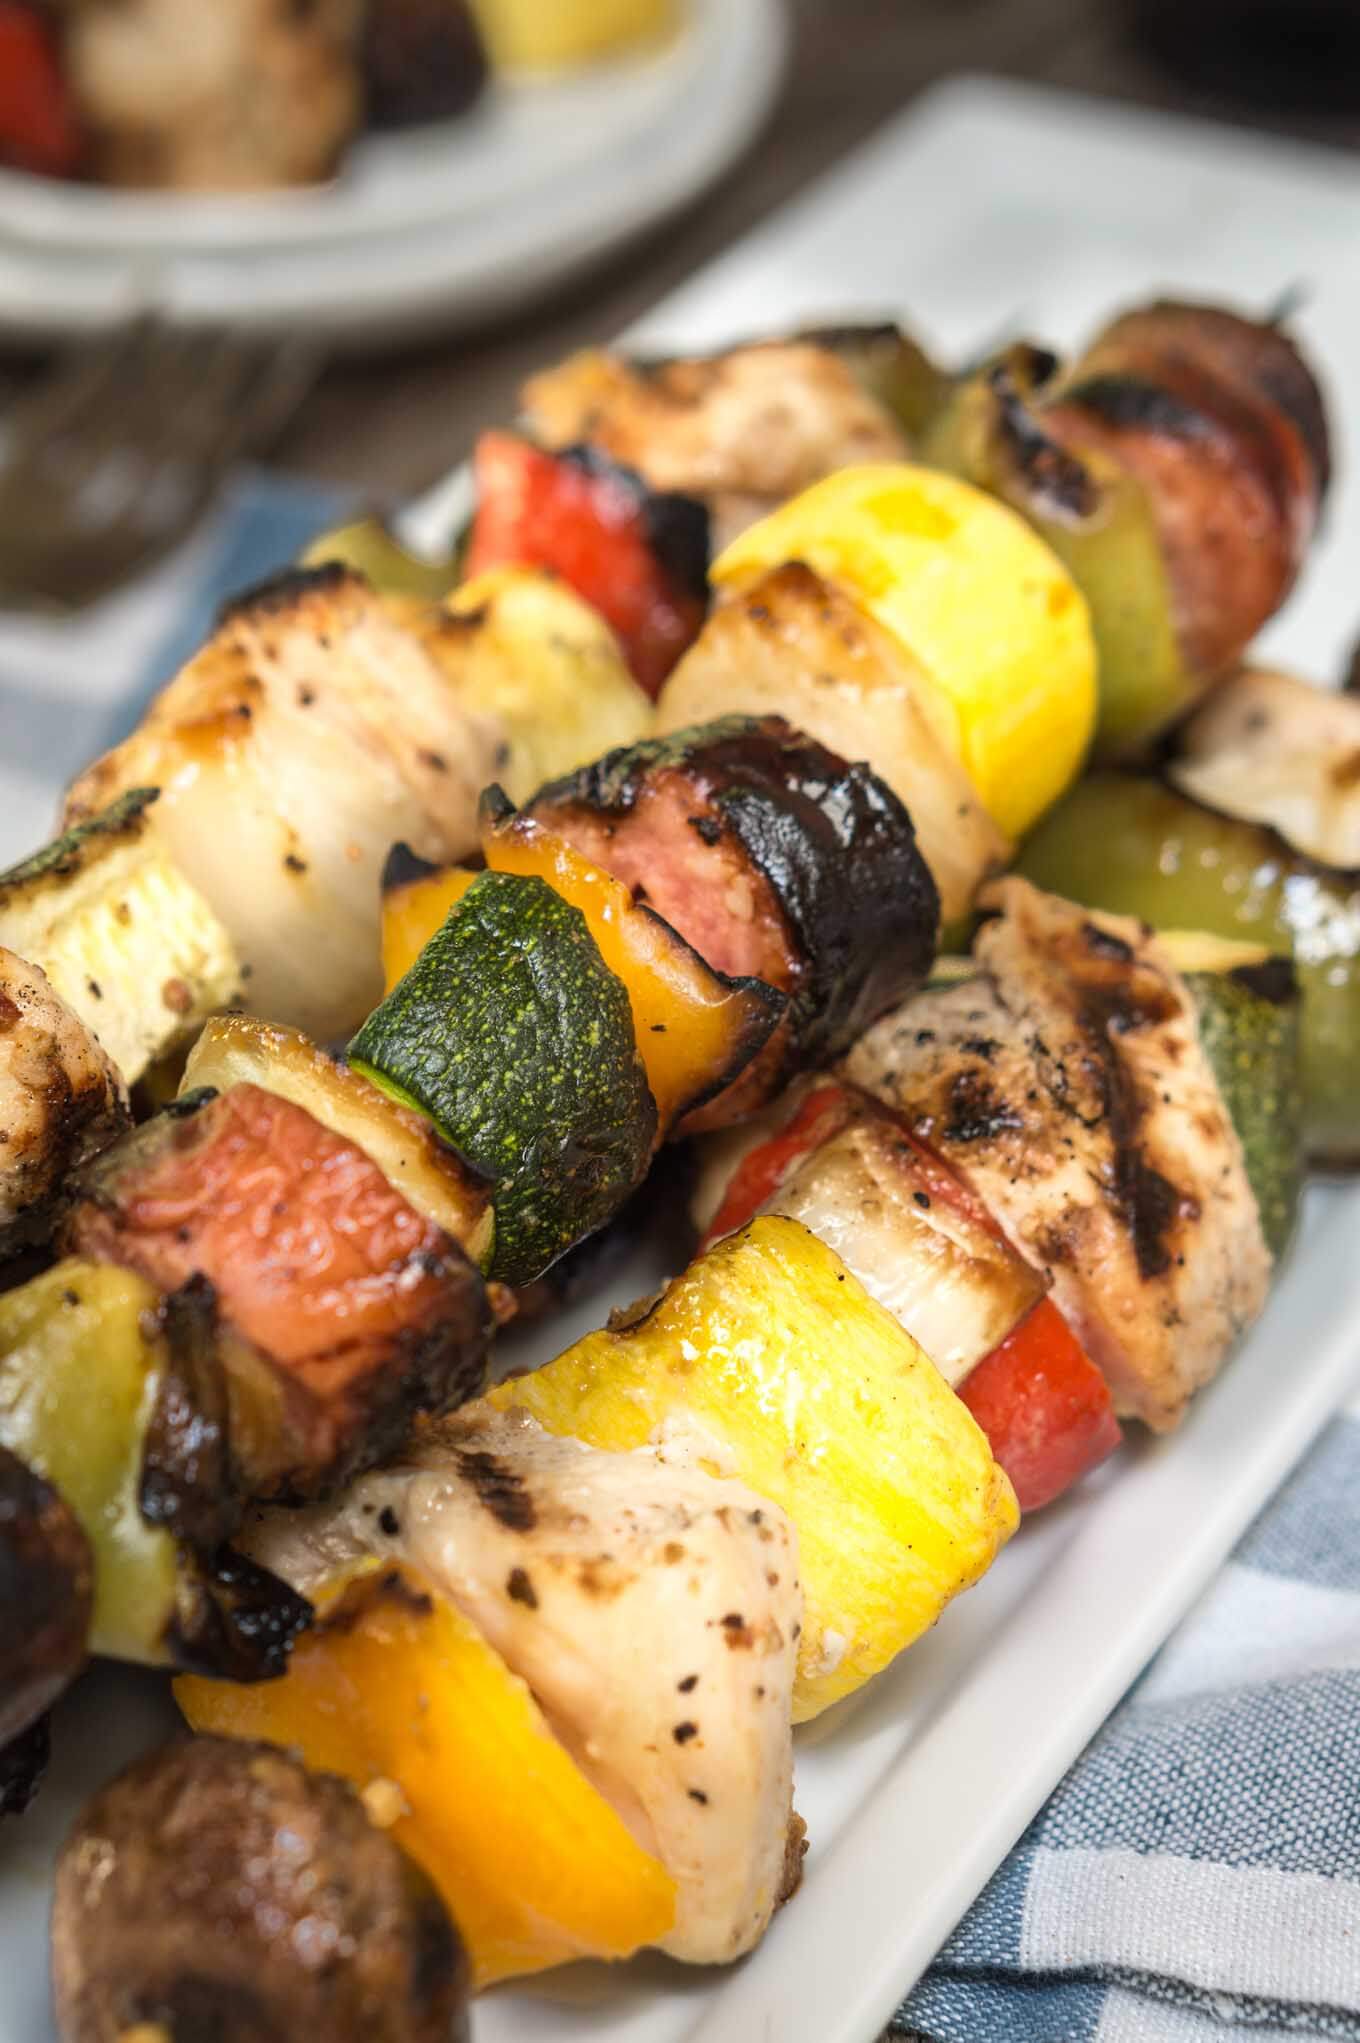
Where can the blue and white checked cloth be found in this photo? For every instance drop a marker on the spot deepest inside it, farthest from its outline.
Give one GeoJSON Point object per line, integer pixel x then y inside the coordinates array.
{"type": "Point", "coordinates": [1196, 1877]}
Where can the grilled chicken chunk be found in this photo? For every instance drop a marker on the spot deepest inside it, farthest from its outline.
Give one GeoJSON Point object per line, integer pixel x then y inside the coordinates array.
{"type": "Point", "coordinates": [1068, 1086]}
{"type": "Point", "coordinates": [652, 1608]}
{"type": "Point", "coordinates": [61, 1100]}
{"type": "Point", "coordinates": [310, 733]}
{"type": "Point", "coordinates": [743, 430]}
{"type": "Point", "coordinates": [225, 95]}
{"type": "Point", "coordinates": [324, 722]}
{"type": "Point", "coordinates": [1273, 749]}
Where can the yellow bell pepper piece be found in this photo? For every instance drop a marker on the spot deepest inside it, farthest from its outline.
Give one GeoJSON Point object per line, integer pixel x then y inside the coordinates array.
{"type": "Point", "coordinates": [397, 1691]}
{"type": "Point", "coordinates": [412, 912]}
{"type": "Point", "coordinates": [998, 629]}
{"type": "Point", "coordinates": [773, 1362]}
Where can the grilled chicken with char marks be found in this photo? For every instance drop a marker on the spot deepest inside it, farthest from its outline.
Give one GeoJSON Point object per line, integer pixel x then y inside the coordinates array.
{"type": "Point", "coordinates": [653, 1610]}
{"type": "Point", "coordinates": [1068, 1086]}
{"type": "Point", "coordinates": [741, 430]}
{"type": "Point", "coordinates": [61, 1100]}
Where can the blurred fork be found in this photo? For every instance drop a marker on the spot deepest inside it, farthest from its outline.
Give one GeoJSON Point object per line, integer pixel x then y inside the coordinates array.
{"type": "Point", "coordinates": [106, 465]}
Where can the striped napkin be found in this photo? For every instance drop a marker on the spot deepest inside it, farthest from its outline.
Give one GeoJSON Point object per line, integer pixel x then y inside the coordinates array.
{"type": "Point", "coordinates": [71, 686]}
{"type": "Point", "coordinates": [1196, 1877]}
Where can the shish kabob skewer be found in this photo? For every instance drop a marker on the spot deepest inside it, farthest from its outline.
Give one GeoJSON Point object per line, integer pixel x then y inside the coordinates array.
{"type": "Point", "coordinates": [769, 1363]}
{"type": "Point", "coordinates": [317, 1244]}
{"type": "Point", "coordinates": [327, 719]}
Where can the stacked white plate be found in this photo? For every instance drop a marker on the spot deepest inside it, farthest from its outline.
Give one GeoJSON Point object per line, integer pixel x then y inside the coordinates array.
{"type": "Point", "coordinates": [436, 227]}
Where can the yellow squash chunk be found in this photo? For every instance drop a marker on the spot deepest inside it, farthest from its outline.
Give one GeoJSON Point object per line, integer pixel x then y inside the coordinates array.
{"type": "Point", "coordinates": [399, 1692]}
{"type": "Point", "coordinates": [999, 631]}
{"type": "Point", "coordinates": [771, 1363]}
{"type": "Point", "coordinates": [526, 35]}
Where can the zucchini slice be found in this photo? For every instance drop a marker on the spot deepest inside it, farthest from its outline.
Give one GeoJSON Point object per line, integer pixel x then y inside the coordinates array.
{"type": "Point", "coordinates": [513, 1035]}
{"type": "Point", "coordinates": [1249, 1013]}
{"type": "Point", "coordinates": [129, 944]}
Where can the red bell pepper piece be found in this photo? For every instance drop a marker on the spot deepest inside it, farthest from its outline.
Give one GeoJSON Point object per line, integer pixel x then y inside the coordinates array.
{"type": "Point", "coordinates": [1043, 1405]}
{"type": "Point", "coordinates": [591, 523]}
{"type": "Point", "coordinates": [38, 125]}
{"type": "Point", "coordinates": [822, 1114]}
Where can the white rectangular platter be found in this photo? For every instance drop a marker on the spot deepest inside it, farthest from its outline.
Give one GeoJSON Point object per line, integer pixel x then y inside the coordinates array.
{"type": "Point", "coordinates": [988, 208]}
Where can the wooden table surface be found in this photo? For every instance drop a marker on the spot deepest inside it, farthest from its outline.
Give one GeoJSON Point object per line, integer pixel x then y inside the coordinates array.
{"type": "Point", "coordinates": [396, 424]}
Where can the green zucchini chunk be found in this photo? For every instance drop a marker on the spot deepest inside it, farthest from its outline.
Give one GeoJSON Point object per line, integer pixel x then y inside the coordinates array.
{"type": "Point", "coordinates": [1137, 847]}
{"type": "Point", "coordinates": [1249, 1010]}
{"type": "Point", "coordinates": [517, 1040]}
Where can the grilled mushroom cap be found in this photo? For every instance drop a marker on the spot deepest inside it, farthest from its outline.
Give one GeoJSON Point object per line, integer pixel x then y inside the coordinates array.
{"type": "Point", "coordinates": [218, 1892]}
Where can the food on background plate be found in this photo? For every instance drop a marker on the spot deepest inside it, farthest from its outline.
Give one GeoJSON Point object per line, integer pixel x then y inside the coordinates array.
{"type": "Point", "coordinates": [524, 35]}
{"type": "Point", "coordinates": [319, 1925]}
{"type": "Point", "coordinates": [224, 95]}
{"type": "Point", "coordinates": [248, 95]}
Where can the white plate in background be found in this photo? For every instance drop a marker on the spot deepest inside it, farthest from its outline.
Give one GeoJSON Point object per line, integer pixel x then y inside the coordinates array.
{"type": "Point", "coordinates": [436, 227]}
{"type": "Point", "coordinates": [988, 205]}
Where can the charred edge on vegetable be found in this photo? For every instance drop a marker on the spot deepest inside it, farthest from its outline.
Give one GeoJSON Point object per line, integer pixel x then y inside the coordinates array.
{"type": "Point", "coordinates": [123, 819]}
{"type": "Point", "coordinates": [1056, 480]}
{"type": "Point", "coordinates": [1128, 401]}
{"type": "Point", "coordinates": [189, 1103]}
{"type": "Point", "coordinates": [403, 867]}
{"type": "Point", "coordinates": [235, 1621]}
{"type": "Point", "coordinates": [186, 1482]}
{"type": "Point", "coordinates": [278, 593]}
{"type": "Point", "coordinates": [822, 833]}
{"type": "Point", "coordinates": [46, 1594]}
{"type": "Point", "coordinates": [770, 1005]}
{"type": "Point", "coordinates": [1274, 980]}
{"type": "Point", "coordinates": [676, 526]}
{"type": "Point", "coordinates": [23, 1762]}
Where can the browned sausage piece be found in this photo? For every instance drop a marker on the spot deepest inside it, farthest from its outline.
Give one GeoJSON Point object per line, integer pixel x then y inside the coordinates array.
{"type": "Point", "coordinates": [774, 858]}
{"type": "Point", "coordinates": [343, 1310]}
